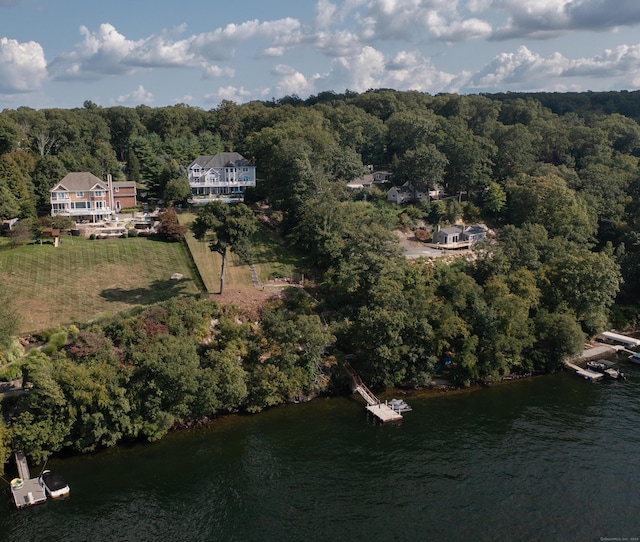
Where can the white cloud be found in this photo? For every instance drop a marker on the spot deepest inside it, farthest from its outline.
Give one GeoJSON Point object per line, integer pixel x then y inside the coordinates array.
{"type": "Point", "coordinates": [358, 73]}
{"type": "Point", "coordinates": [22, 66]}
{"type": "Point", "coordinates": [138, 96]}
{"type": "Point", "coordinates": [325, 13]}
{"type": "Point", "coordinates": [211, 72]}
{"type": "Point", "coordinates": [108, 52]}
{"type": "Point", "coordinates": [523, 69]}
{"type": "Point", "coordinates": [294, 83]}
{"type": "Point", "coordinates": [542, 19]}
{"type": "Point", "coordinates": [623, 60]}
{"type": "Point", "coordinates": [412, 71]}
{"type": "Point", "coordinates": [101, 52]}
{"type": "Point", "coordinates": [274, 51]}
{"type": "Point", "coordinates": [236, 94]}
{"type": "Point", "coordinates": [222, 42]}
{"type": "Point", "coordinates": [527, 70]}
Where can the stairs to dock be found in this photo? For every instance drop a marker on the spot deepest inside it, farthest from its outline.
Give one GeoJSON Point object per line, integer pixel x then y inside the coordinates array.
{"type": "Point", "coordinates": [382, 411]}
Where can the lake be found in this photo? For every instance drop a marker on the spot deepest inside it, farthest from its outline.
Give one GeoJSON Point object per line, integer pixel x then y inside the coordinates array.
{"type": "Point", "coordinates": [546, 458]}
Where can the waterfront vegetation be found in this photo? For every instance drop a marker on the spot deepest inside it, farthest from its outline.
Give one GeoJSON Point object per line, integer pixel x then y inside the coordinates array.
{"type": "Point", "coordinates": [559, 189]}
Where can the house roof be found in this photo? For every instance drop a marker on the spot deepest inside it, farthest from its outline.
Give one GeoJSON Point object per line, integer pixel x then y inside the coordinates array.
{"type": "Point", "coordinates": [77, 181]}
{"type": "Point", "coordinates": [124, 184]}
{"type": "Point", "coordinates": [222, 159]}
{"type": "Point", "coordinates": [452, 230]}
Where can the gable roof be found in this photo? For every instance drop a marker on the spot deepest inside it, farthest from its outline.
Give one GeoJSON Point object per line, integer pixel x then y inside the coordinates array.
{"type": "Point", "coordinates": [78, 181]}
{"type": "Point", "coordinates": [222, 159]}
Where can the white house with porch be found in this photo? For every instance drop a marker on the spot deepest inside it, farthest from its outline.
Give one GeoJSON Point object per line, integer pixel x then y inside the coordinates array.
{"type": "Point", "coordinates": [223, 176]}
{"type": "Point", "coordinates": [459, 236]}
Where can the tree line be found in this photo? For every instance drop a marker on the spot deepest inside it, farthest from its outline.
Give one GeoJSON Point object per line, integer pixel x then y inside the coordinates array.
{"type": "Point", "coordinates": [558, 186]}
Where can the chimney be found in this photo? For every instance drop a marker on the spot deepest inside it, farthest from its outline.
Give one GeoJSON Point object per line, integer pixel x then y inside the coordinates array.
{"type": "Point", "coordinates": [110, 188]}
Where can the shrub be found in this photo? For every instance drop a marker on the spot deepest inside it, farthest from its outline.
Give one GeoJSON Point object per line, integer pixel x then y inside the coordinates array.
{"type": "Point", "coordinates": [92, 236]}
{"type": "Point", "coordinates": [10, 373]}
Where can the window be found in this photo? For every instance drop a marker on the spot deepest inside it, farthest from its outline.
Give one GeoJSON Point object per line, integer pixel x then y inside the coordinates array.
{"type": "Point", "coordinates": [99, 194]}
{"type": "Point", "coordinates": [117, 189]}
{"type": "Point", "coordinates": [79, 194]}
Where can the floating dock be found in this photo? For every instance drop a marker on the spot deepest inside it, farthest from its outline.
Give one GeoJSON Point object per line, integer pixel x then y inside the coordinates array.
{"type": "Point", "coordinates": [26, 491]}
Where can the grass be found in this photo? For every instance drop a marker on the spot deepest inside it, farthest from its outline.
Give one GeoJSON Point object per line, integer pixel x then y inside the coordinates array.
{"type": "Point", "coordinates": [82, 279]}
{"type": "Point", "coordinates": [270, 259]}
{"type": "Point", "coordinates": [209, 263]}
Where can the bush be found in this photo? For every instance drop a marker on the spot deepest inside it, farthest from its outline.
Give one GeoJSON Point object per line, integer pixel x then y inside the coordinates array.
{"type": "Point", "coordinates": [92, 236]}
{"type": "Point", "coordinates": [10, 373]}
{"type": "Point", "coordinates": [133, 232]}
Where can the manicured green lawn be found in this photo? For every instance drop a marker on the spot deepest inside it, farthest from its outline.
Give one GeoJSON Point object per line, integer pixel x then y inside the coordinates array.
{"type": "Point", "coordinates": [83, 279]}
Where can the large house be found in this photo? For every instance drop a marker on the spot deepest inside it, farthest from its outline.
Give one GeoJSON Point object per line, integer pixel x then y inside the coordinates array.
{"type": "Point", "coordinates": [223, 176]}
{"type": "Point", "coordinates": [85, 198]}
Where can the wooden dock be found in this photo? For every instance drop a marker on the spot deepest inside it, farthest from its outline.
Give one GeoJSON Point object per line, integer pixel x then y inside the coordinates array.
{"type": "Point", "coordinates": [585, 373]}
{"type": "Point", "coordinates": [382, 411]}
{"type": "Point", "coordinates": [26, 491]}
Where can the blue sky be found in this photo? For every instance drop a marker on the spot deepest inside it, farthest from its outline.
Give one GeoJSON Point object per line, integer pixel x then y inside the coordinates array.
{"type": "Point", "coordinates": [59, 53]}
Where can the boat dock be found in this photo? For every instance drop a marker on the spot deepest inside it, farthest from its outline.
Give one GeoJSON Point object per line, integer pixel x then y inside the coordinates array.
{"type": "Point", "coordinates": [619, 338]}
{"type": "Point", "coordinates": [382, 411]}
{"type": "Point", "coordinates": [26, 491]}
{"type": "Point", "coordinates": [585, 373]}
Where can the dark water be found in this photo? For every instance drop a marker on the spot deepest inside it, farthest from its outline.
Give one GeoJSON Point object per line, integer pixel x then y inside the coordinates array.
{"type": "Point", "coordinates": [551, 458]}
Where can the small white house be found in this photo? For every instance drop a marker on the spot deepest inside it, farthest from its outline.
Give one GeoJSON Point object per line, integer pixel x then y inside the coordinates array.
{"type": "Point", "coordinates": [459, 236]}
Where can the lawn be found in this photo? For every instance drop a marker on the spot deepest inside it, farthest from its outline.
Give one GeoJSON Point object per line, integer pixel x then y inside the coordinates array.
{"type": "Point", "coordinates": [271, 260]}
{"type": "Point", "coordinates": [209, 263]}
{"type": "Point", "coordinates": [83, 279]}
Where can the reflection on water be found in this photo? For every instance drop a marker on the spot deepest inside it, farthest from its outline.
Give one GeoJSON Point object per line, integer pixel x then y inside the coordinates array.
{"type": "Point", "coordinates": [547, 458]}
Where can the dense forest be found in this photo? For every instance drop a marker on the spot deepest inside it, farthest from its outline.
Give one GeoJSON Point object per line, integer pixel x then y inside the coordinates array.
{"type": "Point", "coordinates": [554, 176]}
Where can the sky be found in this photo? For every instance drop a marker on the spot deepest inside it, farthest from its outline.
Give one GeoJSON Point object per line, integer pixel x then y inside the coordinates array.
{"type": "Point", "coordinates": [60, 53]}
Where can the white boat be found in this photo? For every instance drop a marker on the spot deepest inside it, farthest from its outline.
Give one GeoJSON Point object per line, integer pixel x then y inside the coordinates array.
{"type": "Point", "coordinates": [614, 373]}
{"type": "Point", "coordinates": [399, 405]}
{"type": "Point", "coordinates": [54, 484]}
{"type": "Point", "coordinates": [635, 358]}
{"type": "Point", "coordinates": [606, 367]}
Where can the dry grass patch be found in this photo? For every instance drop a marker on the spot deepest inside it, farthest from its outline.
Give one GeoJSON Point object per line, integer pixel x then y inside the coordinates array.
{"type": "Point", "coordinates": [83, 279]}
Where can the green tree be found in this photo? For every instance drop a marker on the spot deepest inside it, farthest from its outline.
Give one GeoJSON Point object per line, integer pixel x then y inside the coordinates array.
{"type": "Point", "coordinates": [423, 167]}
{"type": "Point", "coordinates": [226, 227]}
{"type": "Point", "coordinates": [177, 190]}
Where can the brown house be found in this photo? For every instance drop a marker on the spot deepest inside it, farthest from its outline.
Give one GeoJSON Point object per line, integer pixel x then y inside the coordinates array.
{"type": "Point", "coordinates": [124, 195]}
{"type": "Point", "coordinates": [85, 198]}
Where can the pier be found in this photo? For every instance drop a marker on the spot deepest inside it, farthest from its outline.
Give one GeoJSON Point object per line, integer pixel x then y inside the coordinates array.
{"type": "Point", "coordinates": [382, 411]}
{"type": "Point", "coordinates": [586, 373]}
{"type": "Point", "coordinates": [26, 491]}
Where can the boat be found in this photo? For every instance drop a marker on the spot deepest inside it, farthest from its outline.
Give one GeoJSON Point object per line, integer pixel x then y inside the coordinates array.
{"type": "Point", "coordinates": [54, 484]}
{"type": "Point", "coordinates": [635, 358]}
{"type": "Point", "coordinates": [596, 366]}
{"type": "Point", "coordinates": [614, 373]}
{"type": "Point", "coordinates": [606, 367]}
{"type": "Point", "coordinates": [399, 405]}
